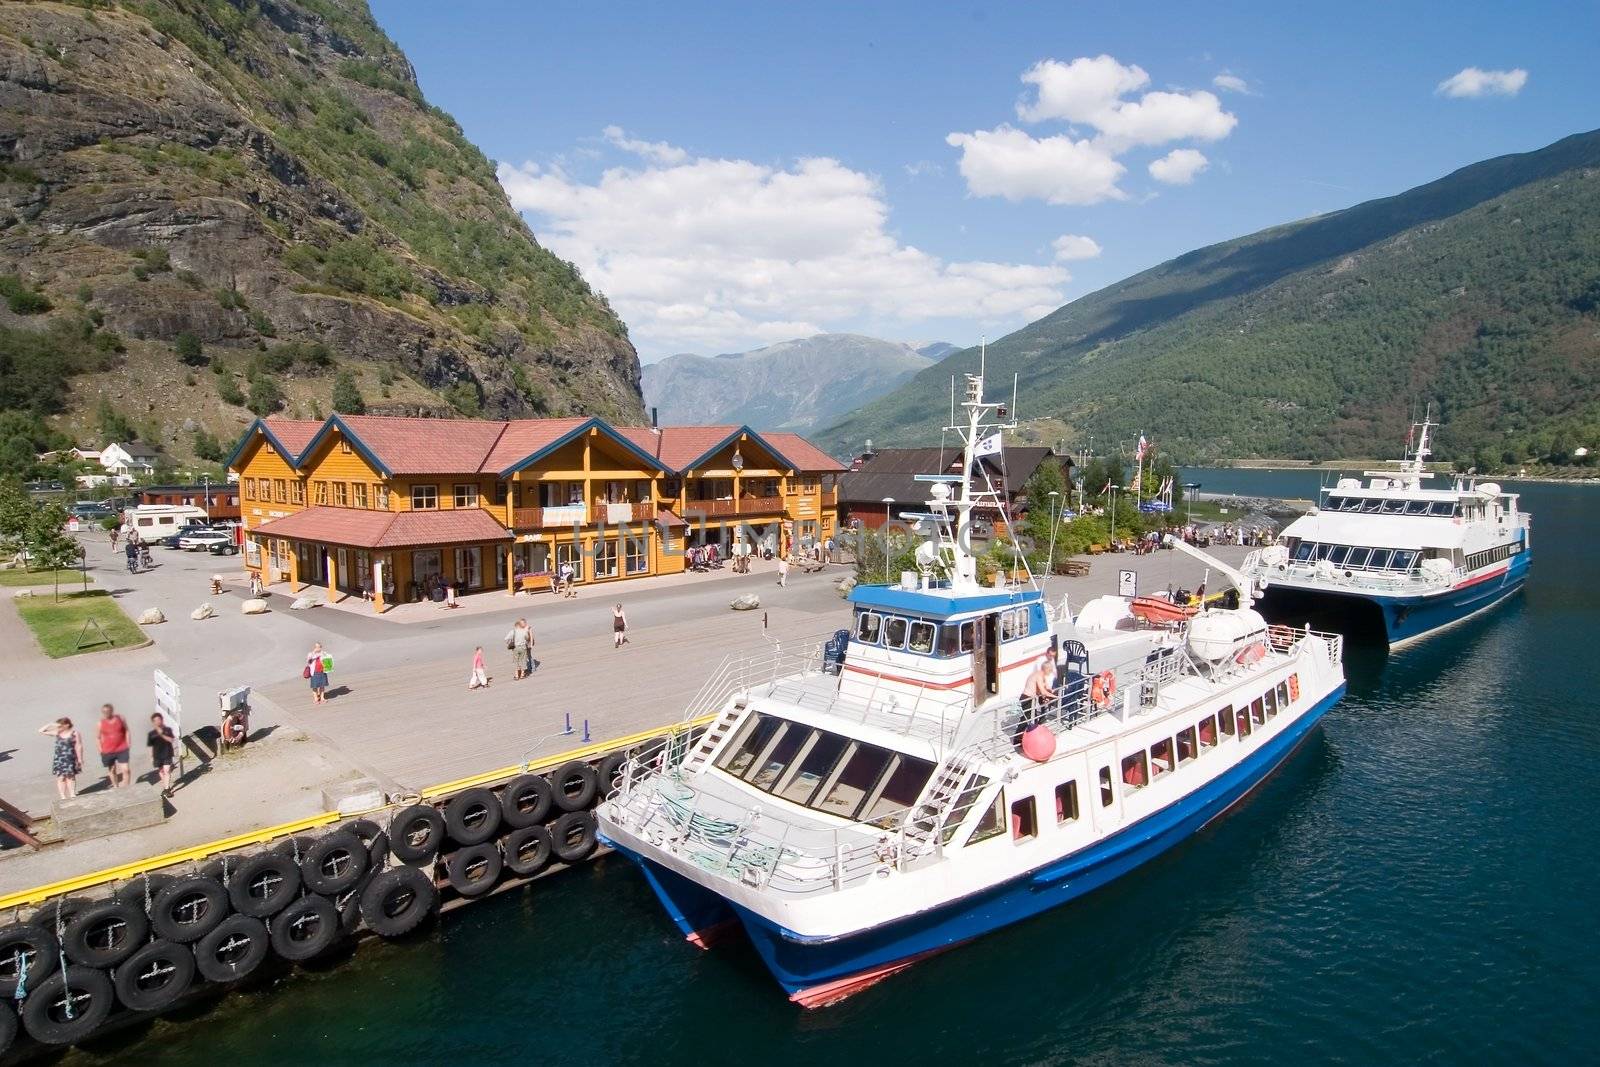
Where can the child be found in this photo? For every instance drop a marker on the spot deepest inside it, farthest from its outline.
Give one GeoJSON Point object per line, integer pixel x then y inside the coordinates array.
{"type": "Point", "coordinates": [480, 672]}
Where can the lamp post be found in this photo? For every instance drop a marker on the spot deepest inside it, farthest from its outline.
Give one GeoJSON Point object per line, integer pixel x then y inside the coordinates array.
{"type": "Point", "coordinates": [205, 480]}
{"type": "Point", "coordinates": [888, 502]}
{"type": "Point", "coordinates": [1188, 501]}
{"type": "Point", "coordinates": [1055, 520]}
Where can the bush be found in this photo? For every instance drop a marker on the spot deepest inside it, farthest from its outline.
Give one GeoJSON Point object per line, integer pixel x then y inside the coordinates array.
{"type": "Point", "coordinates": [346, 397]}
{"type": "Point", "coordinates": [463, 396]}
{"type": "Point", "coordinates": [208, 448]}
{"type": "Point", "coordinates": [85, 292]}
{"type": "Point", "coordinates": [228, 391]}
{"type": "Point", "coordinates": [20, 299]}
{"type": "Point", "coordinates": [189, 349]}
{"type": "Point", "coordinates": [262, 325]}
{"type": "Point", "coordinates": [231, 299]}
{"type": "Point", "coordinates": [155, 260]}
{"type": "Point", "coordinates": [265, 396]}
{"type": "Point", "coordinates": [189, 278]}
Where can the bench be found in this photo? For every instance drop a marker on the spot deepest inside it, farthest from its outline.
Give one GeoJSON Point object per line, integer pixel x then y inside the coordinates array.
{"type": "Point", "coordinates": [1075, 568]}
{"type": "Point", "coordinates": [533, 583]}
{"type": "Point", "coordinates": [1095, 550]}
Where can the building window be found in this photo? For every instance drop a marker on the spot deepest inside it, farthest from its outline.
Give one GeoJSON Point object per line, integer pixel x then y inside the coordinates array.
{"type": "Point", "coordinates": [469, 568]}
{"type": "Point", "coordinates": [605, 559]}
{"type": "Point", "coordinates": [320, 491]}
{"type": "Point", "coordinates": [249, 487]}
{"type": "Point", "coordinates": [344, 445]}
{"type": "Point", "coordinates": [358, 494]}
{"type": "Point", "coordinates": [1067, 802]}
{"type": "Point", "coordinates": [424, 497]}
{"type": "Point", "coordinates": [280, 490]}
{"type": "Point", "coordinates": [341, 495]}
{"type": "Point", "coordinates": [380, 493]}
{"type": "Point", "coordinates": [500, 492]}
{"type": "Point", "coordinates": [636, 555]}
{"type": "Point", "coordinates": [297, 492]}
{"type": "Point", "coordinates": [571, 554]}
{"type": "Point", "coordinates": [466, 496]}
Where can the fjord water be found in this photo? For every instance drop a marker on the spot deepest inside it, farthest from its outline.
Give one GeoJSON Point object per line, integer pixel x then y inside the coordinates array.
{"type": "Point", "coordinates": [1418, 883]}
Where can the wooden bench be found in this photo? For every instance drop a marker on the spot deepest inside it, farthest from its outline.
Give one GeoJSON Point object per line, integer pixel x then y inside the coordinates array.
{"type": "Point", "coordinates": [1075, 568]}
{"type": "Point", "coordinates": [534, 583]}
{"type": "Point", "coordinates": [1095, 550]}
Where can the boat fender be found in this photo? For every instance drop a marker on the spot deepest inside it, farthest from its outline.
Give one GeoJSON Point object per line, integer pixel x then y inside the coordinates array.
{"type": "Point", "coordinates": [104, 934]}
{"type": "Point", "coordinates": [8, 1028]}
{"type": "Point", "coordinates": [153, 978]}
{"type": "Point", "coordinates": [528, 851]}
{"type": "Point", "coordinates": [527, 801]}
{"type": "Point", "coordinates": [472, 816]}
{"type": "Point", "coordinates": [68, 1006]}
{"type": "Point", "coordinates": [295, 847]}
{"type": "Point", "coordinates": [369, 832]}
{"type": "Point", "coordinates": [397, 900]}
{"type": "Point", "coordinates": [143, 889]}
{"type": "Point", "coordinates": [233, 950]}
{"type": "Point", "coordinates": [335, 863]}
{"type": "Point", "coordinates": [1039, 743]}
{"type": "Point", "coordinates": [609, 771]}
{"type": "Point", "coordinates": [1102, 689]}
{"type": "Point", "coordinates": [573, 837]}
{"type": "Point", "coordinates": [416, 833]}
{"type": "Point", "coordinates": [189, 909]}
{"type": "Point", "coordinates": [474, 870]}
{"type": "Point", "coordinates": [27, 950]}
{"type": "Point", "coordinates": [306, 929]}
{"type": "Point", "coordinates": [576, 785]}
{"type": "Point", "coordinates": [264, 884]}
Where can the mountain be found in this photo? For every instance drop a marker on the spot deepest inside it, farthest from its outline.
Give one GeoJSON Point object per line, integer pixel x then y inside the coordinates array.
{"type": "Point", "coordinates": [793, 385]}
{"type": "Point", "coordinates": [1479, 292]}
{"type": "Point", "coordinates": [938, 349]}
{"type": "Point", "coordinates": [264, 186]}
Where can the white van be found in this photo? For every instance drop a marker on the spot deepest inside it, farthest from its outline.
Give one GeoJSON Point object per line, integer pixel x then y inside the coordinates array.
{"type": "Point", "coordinates": [152, 522]}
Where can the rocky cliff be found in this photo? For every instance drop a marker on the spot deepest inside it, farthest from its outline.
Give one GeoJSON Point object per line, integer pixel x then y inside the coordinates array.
{"type": "Point", "coordinates": [258, 188]}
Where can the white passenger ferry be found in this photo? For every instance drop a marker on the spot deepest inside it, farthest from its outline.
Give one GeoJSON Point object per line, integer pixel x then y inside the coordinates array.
{"type": "Point", "coordinates": [1396, 555]}
{"type": "Point", "coordinates": [856, 806]}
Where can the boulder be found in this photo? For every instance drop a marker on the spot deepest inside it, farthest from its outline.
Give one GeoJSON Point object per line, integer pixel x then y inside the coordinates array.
{"type": "Point", "coordinates": [22, 594]}
{"type": "Point", "coordinates": [745, 602]}
{"type": "Point", "coordinates": [301, 603]}
{"type": "Point", "coordinates": [846, 584]}
{"type": "Point", "coordinates": [151, 616]}
{"type": "Point", "coordinates": [253, 607]}
{"type": "Point", "coordinates": [204, 611]}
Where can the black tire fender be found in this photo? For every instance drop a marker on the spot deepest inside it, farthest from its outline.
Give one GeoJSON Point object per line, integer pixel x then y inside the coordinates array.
{"type": "Point", "coordinates": [528, 851]}
{"type": "Point", "coordinates": [573, 837]}
{"type": "Point", "coordinates": [142, 890]}
{"type": "Point", "coordinates": [68, 1006]}
{"type": "Point", "coordinates": [154, 977]}
{"type": "Point", "coordinates": [189, 909]}
{"type": "Point", "coordinates": [472, 816]}
{"type": "Point", "coordinates": [335, 863]}
{"type": "Point", "coordinates": [527, 801]}
{"type": "Point", "coordinates": [295, 847]}
{"type": "Point", "coordinates": [264, 884]}
{"type": "Point", "coordinates": [8, 1028]}
{"type": "Point", "coordinates": [233, 950]}
{"type": "Point", "coordinates": [104, 934]}
{"type": "Point", "coordinates": [576, 785]}
{"type": "Point", "coordinates": [609, 772]}
{"type": "Point", "coordinates": [27, 951]}
{"type": "Point", "coordinates": [416, 833]}
{"type": "Point", "coordinates": [306, 929]}
{"type": "Point", "coordinates": [374, 837]}
{"type": "Point", "coordinates": [475, 869]}
{"type": "Point", "coordinates": [396, 901]}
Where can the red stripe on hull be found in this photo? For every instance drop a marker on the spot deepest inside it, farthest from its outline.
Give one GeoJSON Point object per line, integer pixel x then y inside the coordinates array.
{"type": "Point", "coordinates": [820, 996]}
{"type": "Point", "coordinates": [711, 935]}
{"type": "Point", "coordinates": [1483, 577]}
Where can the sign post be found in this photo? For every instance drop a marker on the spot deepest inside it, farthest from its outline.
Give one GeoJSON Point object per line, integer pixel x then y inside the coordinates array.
{"type": "Point", "coordinates": [1128, 584]}
{"type": "Point", "coordinates": [171, 709]}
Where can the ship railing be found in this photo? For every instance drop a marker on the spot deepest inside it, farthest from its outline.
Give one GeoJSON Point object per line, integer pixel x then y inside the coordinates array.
{"type": "Point", "coordinates": [1373, 579]}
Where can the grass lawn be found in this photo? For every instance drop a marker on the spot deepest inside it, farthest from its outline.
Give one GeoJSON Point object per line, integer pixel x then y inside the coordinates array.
{"type": "Point", "coordinates": [18, 576]}
{"type": "Point", "coordinates": [57, 626]}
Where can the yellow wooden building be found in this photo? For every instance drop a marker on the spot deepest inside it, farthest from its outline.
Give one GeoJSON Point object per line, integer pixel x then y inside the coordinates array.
{"type": "Point", "coordinates": [399, 509]}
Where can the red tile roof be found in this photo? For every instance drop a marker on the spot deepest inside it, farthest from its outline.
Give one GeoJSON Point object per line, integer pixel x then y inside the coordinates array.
{"type": "Point", "coordinates": [802, 453]}
{"type": "Point", "coordinates": [522, 438]}
{"type": "Point", "coordinates": [293, 434]}
{"type": "Point", "coordinates": [426, 446]}
{"type": "Point", "coordinates": [676, 446]}
{"type": "Point", "coordinates": [358, 528]}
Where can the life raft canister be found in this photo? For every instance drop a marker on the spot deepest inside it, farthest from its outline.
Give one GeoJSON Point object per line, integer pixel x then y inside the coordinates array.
{"type": "Point", "coordinates": [1102, 689]}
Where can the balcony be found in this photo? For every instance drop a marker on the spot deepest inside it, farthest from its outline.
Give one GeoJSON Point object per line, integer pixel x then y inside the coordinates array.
{"type": "Point", "coordinates": [750, 505]}
{"type": "Point", "coordinates": [549, 518]}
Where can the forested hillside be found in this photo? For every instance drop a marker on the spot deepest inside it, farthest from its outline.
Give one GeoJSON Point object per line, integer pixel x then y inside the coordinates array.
{"type": "Point", "coordinates": [211, 209]}
{"type": "Point", "coordinates": [1479, 292]}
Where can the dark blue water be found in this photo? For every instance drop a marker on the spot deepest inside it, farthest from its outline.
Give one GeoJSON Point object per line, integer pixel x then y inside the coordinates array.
{"type": "Point", "coordinates": [1419, 883]}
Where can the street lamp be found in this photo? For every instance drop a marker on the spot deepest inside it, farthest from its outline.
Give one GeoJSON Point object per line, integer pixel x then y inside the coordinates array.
{"type": "Point", "coordinates": [1055, 520]}
{"type": "Point", "coordinates": [1188, 501]}
{"type": "Point", "coordinates": [205, 480]}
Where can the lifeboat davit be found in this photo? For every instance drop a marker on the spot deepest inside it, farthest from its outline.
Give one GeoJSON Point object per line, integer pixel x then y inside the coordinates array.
{"type": "Point", "coordinates": [1156, 609]}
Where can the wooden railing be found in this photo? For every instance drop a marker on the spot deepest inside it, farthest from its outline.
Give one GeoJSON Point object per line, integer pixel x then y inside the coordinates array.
{"type": "Point", "coordinates": [750, 505]}
{"type": "Point", "coordinates": [547, 518]}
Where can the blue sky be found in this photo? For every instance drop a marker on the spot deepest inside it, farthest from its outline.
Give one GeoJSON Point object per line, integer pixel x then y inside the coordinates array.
{"type": "Point", "coordinates": [772, 170]}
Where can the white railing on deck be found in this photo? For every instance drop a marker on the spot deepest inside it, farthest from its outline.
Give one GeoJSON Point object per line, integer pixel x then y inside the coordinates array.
{"type": "Point", "coordinates": [1369, 579]}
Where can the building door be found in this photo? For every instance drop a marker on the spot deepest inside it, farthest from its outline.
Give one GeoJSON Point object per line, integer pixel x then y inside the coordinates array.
{"type": "Point", "coordinates": [469, 568]}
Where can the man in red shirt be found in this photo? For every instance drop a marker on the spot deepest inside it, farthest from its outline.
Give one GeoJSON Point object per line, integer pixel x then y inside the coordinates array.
{"type": "Point", "coordinates": [114, 747]}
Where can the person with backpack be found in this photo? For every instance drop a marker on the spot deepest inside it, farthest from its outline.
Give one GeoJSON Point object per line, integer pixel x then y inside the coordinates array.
{"type": "Point", "coordinates": [318, 664]}
{"type": "Point", "coordinates": [519, 639]}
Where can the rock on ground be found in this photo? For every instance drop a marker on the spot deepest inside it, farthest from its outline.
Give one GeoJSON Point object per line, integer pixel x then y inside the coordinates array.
{"type": "Point", "coordinates": [745, 602]}
{"type": "Point", "coordinates": [253, 607]}
{"type": "Point", "coordinates": [301, 603]}
{"type": "Point", "coordinates": [204, 611]}
{"type": "Point", "coordinates": [151, 616]}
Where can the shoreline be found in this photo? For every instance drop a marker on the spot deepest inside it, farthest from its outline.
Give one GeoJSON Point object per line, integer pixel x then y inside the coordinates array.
{"type": "Point", "coordinates": [1336, 466]}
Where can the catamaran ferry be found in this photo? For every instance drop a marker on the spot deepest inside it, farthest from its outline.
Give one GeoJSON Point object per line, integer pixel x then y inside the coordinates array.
{"type": "Point", "coordinates": [961, 758]}
{"type": "Point", "coordinates": [1394, 555]}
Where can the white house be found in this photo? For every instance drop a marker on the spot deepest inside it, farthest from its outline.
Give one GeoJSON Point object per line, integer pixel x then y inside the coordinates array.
{"type": "Point", "coordinates": [129, 460]}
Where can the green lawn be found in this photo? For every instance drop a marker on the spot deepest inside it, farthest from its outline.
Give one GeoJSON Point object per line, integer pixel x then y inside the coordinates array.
{"type": "Point", "coordinates": [18, 576]}
{"type": "Point", "coordinates": [59, 627]}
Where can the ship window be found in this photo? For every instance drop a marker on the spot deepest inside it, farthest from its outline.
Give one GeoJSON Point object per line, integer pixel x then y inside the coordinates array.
{"type": "Point", "coordinates": [1208, 732]}
{"type": "Point", "coordinates": [1371, 505]}
{"type": "Point", "coordinates": [867, 626]}
{"type": "Point", "coordinates": [921, 638]}
{"type": "Point", "coordinates": [1323, 550]}
{"type": "Point", "coordinates": [769, 765]}
{"type": "Point", "coordinates": [990, 825]}
{"type": "Point", "coordinates": [1335, 503]}
{"type": "Point", "coordinates": [1161, 757]}
{"type": "Point", "coordinates": [812, 769]}
{"type": "Point", "coordinates": [894, 632]}
{"type": "Point", "coordinates": [1024, 820]}
{"type": "Point", "coordinates": [1106, 795]}
{"type": "Point", "coordinates": [900, 790]}
{"type": "Point", "coordinates": [1283, 694]}
{"type": "Point", "coordinates": [1404, 559]}
{"type": "Point", "coordinates": [1338, 555]}
{"type": "Point", "coordinates": [1358, 557]}
{"type": "Point", "coordinates": [1067, 802]}
{"type": "Point", "coordinates": [1416, 507]}
{"type": "Point", "coordinates": [861, 772]}
{"type": "Point", "coordinates": [949, 639]}
{"type": "Point", "coordinates": [1270, 698]}
{"type": "Point", "coordinates": [754, 735]}
{"type": "Point", "coordinates": [1225, 719]}
{"type": "Point", "coordinates": [1186, 746]}
{"type": "Point", "coordinates": [1351, 503]}
{"type": "Point", "coordinates": [1304, 550]}
{"type": "Point", "coordinates": [1136, 770]}
{"type": "Point", "coordinates": [1242, 720]}
{"type": "Point", "coordinates": [1008, 625]}
{"type": "Point", "coordinates": [958, 812]}
{"type": "Point", "coordinates": [1380, 559]}
{"type": "Point", "coordinates": [1442, 508]}
{"type": "Point", "coordinates": [1258, 714]}
{"type": "Point", "coordinates": [1394, 507]}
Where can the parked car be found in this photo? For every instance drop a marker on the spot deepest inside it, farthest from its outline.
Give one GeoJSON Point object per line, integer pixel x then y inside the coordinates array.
{"type": "Point", "coordinates": [91, 510]}
{"type": "Point", "coordinates": [175, 539]}
{"type": "Point", "coordinates": [230, 547]}
{"type": "Point", "coordinates": [199, 539]}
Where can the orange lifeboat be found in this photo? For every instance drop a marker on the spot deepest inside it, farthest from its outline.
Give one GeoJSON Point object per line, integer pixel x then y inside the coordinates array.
{"type": "Point", "coordinates": [1156, 609]}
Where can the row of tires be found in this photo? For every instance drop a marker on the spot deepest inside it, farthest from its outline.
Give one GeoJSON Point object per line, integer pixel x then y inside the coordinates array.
{"type": "Point", "coordinates": [67, 967]}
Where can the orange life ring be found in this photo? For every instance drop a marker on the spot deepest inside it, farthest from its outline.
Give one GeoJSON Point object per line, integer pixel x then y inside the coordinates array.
{"type": "Point", "coordinates": [1102, 689]}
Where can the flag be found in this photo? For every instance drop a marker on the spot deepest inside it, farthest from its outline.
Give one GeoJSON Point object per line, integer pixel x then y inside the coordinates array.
{"type": "Point", "coordinates": [989, 446]}
{"type": "Point", "coordinates": [1142, 449]}
{"type": "Point", "coordinates": [1107, 489]}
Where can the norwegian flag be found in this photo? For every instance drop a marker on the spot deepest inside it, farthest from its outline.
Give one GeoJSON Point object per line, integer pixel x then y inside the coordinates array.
{"type": "Point", "coordinates": [1107, 489]}
{"type": "Point", "coordinates": [1144, 447]}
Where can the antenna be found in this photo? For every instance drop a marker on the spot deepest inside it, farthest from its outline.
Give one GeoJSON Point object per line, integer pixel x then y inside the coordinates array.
{"type": "Point", "coordinates": [952, 400]}
{"type": "Point", "coordinates": [983, 357]}
{"type": "Point", "coordinates": [1014, 397]}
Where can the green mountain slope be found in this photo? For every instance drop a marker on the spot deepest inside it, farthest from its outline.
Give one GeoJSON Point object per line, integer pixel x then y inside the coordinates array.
{"type": "Point", "coordinates": [267, 176]}
{"type": "Point", "coordinates": [1479, 292]}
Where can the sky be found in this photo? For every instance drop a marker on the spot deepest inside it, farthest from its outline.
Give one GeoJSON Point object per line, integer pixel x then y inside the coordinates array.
{"type": "Point", "coordinates": [731, 175]}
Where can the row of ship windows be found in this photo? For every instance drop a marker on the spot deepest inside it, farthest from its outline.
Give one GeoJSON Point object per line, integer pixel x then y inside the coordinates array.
{"type": "Point", "coordinates": [1378, 559]}
{"type": "Point", "coordinates": [920, 635]}
{"type": "Point", "coordinates": [1141, 768]}
{"type": "Point", "coordinates": [1492, 555]}
{"type": "Point", "coordinates": [1387, 506]}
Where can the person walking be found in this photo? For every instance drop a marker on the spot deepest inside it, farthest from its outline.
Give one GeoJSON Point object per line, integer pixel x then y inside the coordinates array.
{"type": "Point", "coordinates": [113, 538]}
{"type": "Point", "coordinates": [569, 577]}
{"type": "Point", "coordinates": [520, 641]}
{"type": "Point", "coordinates": [255, 584]}
{"type": "Point", "coordinates": [163, 751]}
{"type": "Point", "coordinates": [114, 747]}
{"type": "Point", "coordinates": [66, 759]}
{"type": "Point", "coordinates": [316, 673]}
{"type": "Point", "coordinates": [783, 570]}
{"type": "Point", "coordinates": [480, 671]}
{"type": "Point", "coordinates": [619, 627]}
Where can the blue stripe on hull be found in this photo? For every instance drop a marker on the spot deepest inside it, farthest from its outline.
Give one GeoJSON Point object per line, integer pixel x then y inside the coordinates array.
{"type": "Point", "coordinates": [692, 907]}
{"type": "Point", "coordinates": [799, 965]}
{"type": "Point", "coordinates": [1414, 617]}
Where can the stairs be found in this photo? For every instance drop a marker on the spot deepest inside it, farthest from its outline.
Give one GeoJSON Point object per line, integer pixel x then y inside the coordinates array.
{"type": "Point", "coordinates": [946, 792]}
{"type": "Point", "coordinates": [715, 734]}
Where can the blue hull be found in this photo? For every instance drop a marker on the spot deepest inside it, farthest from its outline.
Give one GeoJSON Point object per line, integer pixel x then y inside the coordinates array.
{"type": "Point", "coordinates": [802, 967]}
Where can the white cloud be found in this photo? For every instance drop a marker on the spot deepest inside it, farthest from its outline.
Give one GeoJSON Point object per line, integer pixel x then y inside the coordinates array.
{"type": "Point", "coordinates": [922, 168]}
{"type": "Point", "coordinates": [1094, 96]}
{"type": "Point", "coordinates": [711, 255]}
{"type": "Point", "coordinates": [1072, 246]}
{"type": "Point", "coordinates": [655, 151]}
{"type": "Point", "coordinates": [1472, 82]}
{"type": "Point", "coordinates": [1179, 166]}
{"type": "Point", "coordinates": [1014, 164]}
{"type": "Point", "coordinates": [1231, 83]}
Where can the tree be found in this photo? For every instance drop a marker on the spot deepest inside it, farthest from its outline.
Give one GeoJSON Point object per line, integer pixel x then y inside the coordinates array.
{"type": "Point", "coordinates": [189, 349]}
{"type": "Point", "coordinates": [265, 396]}
{"type": "Point", "coordinates": [113, 424]}
{"type": "Point", "coordinates": [346, 397]}
{"type": "Point", "coordinates": [1042, 507]}
{"type": "Point", "coordinates": [208, 448]}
